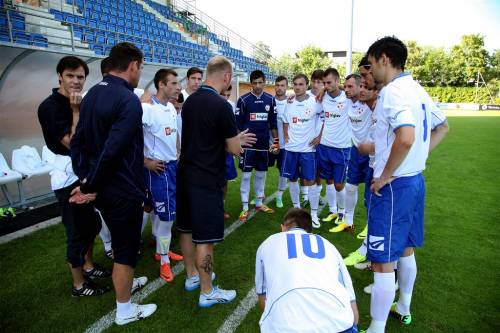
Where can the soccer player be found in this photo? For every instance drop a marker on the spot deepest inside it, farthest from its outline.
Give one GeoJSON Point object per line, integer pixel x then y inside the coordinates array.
{"type": "Point", "coordinates": [256, 111]}
{"type": "Point", "coordinates": [299, 132]}
{"type": "Point", "coordinates": [402, 142]}
{"type": "Point", "coordinates": [58, 115]}
{"type": "Point", "coordinates": [334, 148]}
{"type": "Point", "coordinates": [108, 158]}
{"type": "Point", "coordinates": [280, 86]}
{"type": "Point", "coordinates": [209, 130]}
{"type": "Point", "coordinates": [231, 173]}
{"type": "Point", "coordinates": [359, 115]}
{"type": "Point", "coordinates": [161, 148]}
{"type": "Point", "coordinates": [302, 283]}
{"type": "Point", "coordinates": [194, 77]}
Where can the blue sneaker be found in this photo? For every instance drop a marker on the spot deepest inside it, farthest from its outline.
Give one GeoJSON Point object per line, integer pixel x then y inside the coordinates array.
{"type": "Point", "coordinates": [193, 282]}
{"type": "Point", "coordinates": [217, 296]}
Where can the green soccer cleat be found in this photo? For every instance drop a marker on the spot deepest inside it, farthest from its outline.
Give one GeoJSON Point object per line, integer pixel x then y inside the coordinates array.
{"type": "Point", "coordinates": [354, 258]}
{"type": "Point", "coordinates": [330, 217]}
{"type": "Point", "coordinates": [252, 202]}
{"type": "Point", "coordinates": [362, 234]}
{"type": "Point", "coordinates": [279, 202]}
{"type": "Point", "coordinates": [405, 319]}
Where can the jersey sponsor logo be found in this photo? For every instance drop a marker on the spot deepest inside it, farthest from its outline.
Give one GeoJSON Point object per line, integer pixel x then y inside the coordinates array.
{"type": "Point", "coordinates": [376, 243]}
{"type": "Point", "coordinates": [102, 83]}
{"type": "Point", "coordinates": [258, 116]}
{"type": "Point", "coordinates": [332, 115]}
{"type": "Point", "coordinates": [296, 120]}
{"type": "Point", "coordinates": [355, 120]}
{"type": "Point", "coordinates": [258, 101]}
{"type": "Point", "coordinates": [169, 131]}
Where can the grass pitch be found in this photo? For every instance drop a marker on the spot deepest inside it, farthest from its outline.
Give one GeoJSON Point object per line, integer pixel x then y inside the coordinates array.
{"type": "Point", "coordinates": [458, 270]}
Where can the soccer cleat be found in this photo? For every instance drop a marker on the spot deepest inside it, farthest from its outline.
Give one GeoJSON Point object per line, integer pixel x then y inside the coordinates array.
{"type": "Point", "coordinates": [174, 256]}
{"type": "Point", "coordinates": [138, 283]}
{"type": "Point", "coordinates": [340, 219]}
{"type": "Point", "coordinates": [264, 209]}
{"type": "Point", "coordinates": [362, 234]}
{"type": "Point", "coordinates": [193, 282]}
{"type": "Point", "coordinates": [96, 272]}
{"type": "Point", "coordinates": [157, 257]}
{"type": "Point", "coordinates": [342, 227]}
{"type": "Point", "coordinates": [354, 258]}
{"type": "Point", "coordinates": [217, 296]}
{"type": "Point", "coordinates": [109, 254]}
{"type": "Point", "coordinates": [226, 216]}
{"type": "Point", "coordinates": [330, 217]}
{"type": "Point", "coordinates": [166, 273]}
{"type": "Point", "coordinates": [89, 289]}
{"type": "Point", "coordinates": [364, 266]}
{"type": "Point", "coordinates": [304, 202]}
{"type": "Point", "coordinates": [315, 222]}
{"type": "Point", "coordinates": [140, 312]}
{"type": "Point", "coordinates": [405, 319]}
{"type": "Point", "coordinates": [279, 202]}
{"type": "Point", "coordinates": [243, 215]}
{"type": "Point", "coordinates": [252, 202]}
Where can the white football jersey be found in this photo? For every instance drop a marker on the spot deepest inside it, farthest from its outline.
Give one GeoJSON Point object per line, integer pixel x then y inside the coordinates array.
{"type": "Point", "coordinates": [301, 118]}
{"type": "Point", "coordinates": [319, 123]}
{"type": "Point", "coordinates": [160, 131]}
{"type": "Point", "coordinates": [403, 102]}
{"type": "Point", "coordinates": [185, 94]}
{"type": "Point", "coordinates": [336, 130]}
{"type": "Point", "coordinates": [360, 118]}
{"type": "Point", "coordinates": [280, 113]}
{"type": "Point", "coordinates": [305, 282]}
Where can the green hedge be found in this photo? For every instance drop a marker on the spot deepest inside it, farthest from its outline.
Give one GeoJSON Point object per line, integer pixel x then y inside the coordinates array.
{"type": "Point", "coordinates": [461, 95]}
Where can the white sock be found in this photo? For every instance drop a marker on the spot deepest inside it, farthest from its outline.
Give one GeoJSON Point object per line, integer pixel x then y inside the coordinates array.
{"type": "Point", "coordinates": [407, 273]}
{"type": "Point", "coordinates": [259, 183]}
{"type": "Point", "coordinates": [245, 188]}
{"type": "Point", "coordinates": [163, 238]}
{"type": "Point", "coordinates": [341, 201]}
{"type": "Point", "coordinates": [351, 198]}
{"type": "Point", "coordinates": [383, 293]}
{"type": "Point", "coordinates": [105, 235]}
{"type": "Point", "coordinates": [154, 224]}
{"type": "Point", "coordinates": [124, 310]}
{"type": "Point", "coordinates": [314, 200]}
{"type": "Point", "coordinates": [305, 192]}
{"type": "Point", "coordinates": [295, 194]}
{"type": "Point", "coordinates": [145, 217]}
{"type": "Point", "coordinates": [331, 197]}
{"type": "Point", "coordinates": [362, 248]}
{"type": "Point", "coordinates": [282, 184]}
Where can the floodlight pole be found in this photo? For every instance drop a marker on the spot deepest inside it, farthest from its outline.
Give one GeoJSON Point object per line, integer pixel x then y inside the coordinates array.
{"type": "Point", "coordinates": [348, 66]}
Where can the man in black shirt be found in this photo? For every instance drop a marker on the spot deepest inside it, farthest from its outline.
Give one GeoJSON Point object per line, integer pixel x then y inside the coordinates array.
{"type": "Point", "coordinates": [208, 130]}
{"type": "Point", "coordinates": [58, 115]}
{"type": "Point", "coordinates": [107, 155]}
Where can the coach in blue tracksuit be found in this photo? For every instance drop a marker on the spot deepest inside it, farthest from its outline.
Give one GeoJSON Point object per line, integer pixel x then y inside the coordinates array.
{"type": "Point", "coordinates": [107, 152]}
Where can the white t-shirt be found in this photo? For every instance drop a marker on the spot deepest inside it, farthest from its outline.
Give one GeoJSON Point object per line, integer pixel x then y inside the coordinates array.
{"type": "Point", "coordinates": [160, 131]}
{"type": "Point", "coordinates": [305, 282]}
{"type": "Point", "coordinates": [360, 119]}
{"type": "Point", "coordinates": [336, 130]}
{"type": "Point", "coordinates": [280, 113]}
{"type": "Point", "coordinates": [301, 118]}
{"type": "Point", "coordinates": [403, 102]}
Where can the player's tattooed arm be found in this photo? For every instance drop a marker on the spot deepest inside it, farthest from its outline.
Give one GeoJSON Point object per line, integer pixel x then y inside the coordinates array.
{"type": "Point", "coordinates": [207, 264]}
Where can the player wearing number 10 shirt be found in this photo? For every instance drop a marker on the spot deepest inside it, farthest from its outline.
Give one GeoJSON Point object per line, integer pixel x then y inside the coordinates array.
{"type": "Point", "coordinates": [302, 282]}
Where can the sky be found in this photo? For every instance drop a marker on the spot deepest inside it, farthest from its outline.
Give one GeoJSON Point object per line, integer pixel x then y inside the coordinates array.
{"type": "Point", "coordinates": [287, 26]}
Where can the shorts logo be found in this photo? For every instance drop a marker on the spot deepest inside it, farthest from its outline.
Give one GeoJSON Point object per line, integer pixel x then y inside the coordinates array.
{"type": "Point", "coordinates": [376, 243]}
{"type": "Point", "coordinates": [160, 207]}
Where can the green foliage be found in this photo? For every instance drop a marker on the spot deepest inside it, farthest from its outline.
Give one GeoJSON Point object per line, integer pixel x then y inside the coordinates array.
{"type": "Point", "coordinates": [356, 58]}
{"type": "Point", "coordinates": [285, 65]}
{"type": "Point", "coordinates": [311, 58]}
{"type": "Point", "coordinates": [262, 52]}
{"type": "Point", "coordinates": [461, 95]}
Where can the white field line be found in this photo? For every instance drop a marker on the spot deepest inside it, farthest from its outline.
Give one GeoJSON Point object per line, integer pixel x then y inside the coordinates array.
{"type": "Point", "coordinates": [234, 320]}
{"type": "Point", "coordinates": [26, 231]}
{"type": "Point", "coordinates": [107, 320]}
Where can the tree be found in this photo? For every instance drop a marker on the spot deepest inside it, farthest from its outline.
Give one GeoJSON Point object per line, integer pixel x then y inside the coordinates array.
{"type": "Point", "coordinates": [311, 58]}
{"type": "Point", "coordinates": [467, 59]}
{"type": "Point", "coordinates": [262, 52]}
{"type": "Point", "coordinates": [356, 58]}
{"type": "Point", "coordinates": [285, 65]}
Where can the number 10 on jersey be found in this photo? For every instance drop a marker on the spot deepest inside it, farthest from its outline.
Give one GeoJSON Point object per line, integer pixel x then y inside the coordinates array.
{"type": "Point", "coordinates": [306, 246]}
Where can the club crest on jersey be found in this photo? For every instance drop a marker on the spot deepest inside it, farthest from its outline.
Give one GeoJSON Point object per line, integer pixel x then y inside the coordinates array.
{"type": "Point", "coordinates": [268, 107]}
{"type": "Point", "coordinates": [258, 116]}
{"type": "Point", "coordinates": [376, 243]}
{"type": "Point", "coordinates": [340, 106]}
{"type": "Point", "coordinates": [360, 110]}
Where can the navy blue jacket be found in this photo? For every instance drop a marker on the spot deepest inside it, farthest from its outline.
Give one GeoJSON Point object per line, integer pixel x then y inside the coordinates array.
{"type": "Point", "coordinates": [108, 146]}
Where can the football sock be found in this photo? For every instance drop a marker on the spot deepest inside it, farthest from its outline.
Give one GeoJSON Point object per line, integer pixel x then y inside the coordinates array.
{"type": "Point", "coordinates": [124, 310]}
{"type": "Point", "coordinates": [351, 198]}
{"type": "Point", "coordinates": [341, 201]}
{"type": "Point", "coordinates": [407, 273]}
{"type": "Point", "coordinates": [314, 200]}
{"type": "Point", "coordinates": [259, 182]}
{"type": "Point", "coordinates": [383, 293]}
{"type": "Point", "coordinates": [295, 194]}
{"type": "Point", "coordinates": [362, 248]}
{"type": "Point", "coordinates": [245, 188]}
{"type": "Point", "coordinates": [331, 197]}
{"type": "Point", "coordinates": [282, 184]}
{"type": "Point", "coordinates": [163, 238]}
{"type": "Point", "coordinates": [145, 217]}
{"type": "Point", "coordinates": [305, 192]}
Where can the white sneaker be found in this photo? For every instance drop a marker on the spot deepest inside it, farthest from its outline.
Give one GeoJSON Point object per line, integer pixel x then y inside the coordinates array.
{"type": "Point", "coordinates": [193, 282]}
{"type": "Point", "coordinates": [217, 296]}
{"type": "Point", "coordinates": [368, 288]}
{"type": "Point", "coordinates": [315, 222]}
{"type": "Point", "coordinates": [141, 312]}
{"type": "Point", "coordinates": [138, 283]}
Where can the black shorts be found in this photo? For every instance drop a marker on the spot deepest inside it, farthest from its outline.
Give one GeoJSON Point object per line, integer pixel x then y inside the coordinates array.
{"type": "Point", "coordinates": [82, 224]}
{"type": "Point", "coordinates": [200, 211]}
{"type": "Point", "coordinates": [123, 216]}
